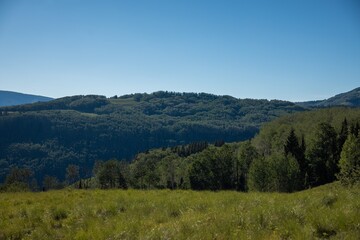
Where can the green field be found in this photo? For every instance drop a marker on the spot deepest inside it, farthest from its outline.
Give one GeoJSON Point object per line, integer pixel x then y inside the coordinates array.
{"type": "Point", "coordinates": [330, 211]}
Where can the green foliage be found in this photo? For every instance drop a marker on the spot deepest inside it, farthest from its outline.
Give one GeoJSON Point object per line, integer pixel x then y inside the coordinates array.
{"type": "Point", "coordinates": [168, 169]}
{"type": "Point", "coordinates": [323, 131]}
{"type": "Point", "coordinates": [277, 172]}
{"type": "Point", "coordinates": [15, 187]}
{"type": "Point", "coordinates": [324, 155]}
{"type": "Point", "coordinates": [343, 133]}
{"type": "Point", "coordinates": [274, 173]}
{"type": "Point", "coordinates": [351, 99]}
{"type": "Point", "coordinates": [51, 182]}
{"type": "Point", "coordinates": [285, 173]}
{"type": "Point", "coordinates": [72, 173]}
{"type": "Point", "coordinates": [18, 180]}
{"type": "Point", "coordinates": [59, 214]}
{"type": "Point", "coordinates": [259, 175]}
{"type": "Point", "coordinates": [80, 130]}
{"type": "Point", "coordinates": [145, 170]}
{"type": "Point", "coordinates": [19, 175]}
{"type": "Point", "coordinates": [246, 154]}
{"type": "Point", "coordinates": [284, 168]}
{"type": "Point", "coordinates": [350, 161]}
{"type": "Point", "coordinates": [296, 150]}
{"type": "Point", "coordinates": [212, 169]}
{"type": "Point", "coordinates": [273, 135]}
{"type": "Point", "coordinates": [111, 175]}
{"type": "Point", "coordinates": [275, 160]}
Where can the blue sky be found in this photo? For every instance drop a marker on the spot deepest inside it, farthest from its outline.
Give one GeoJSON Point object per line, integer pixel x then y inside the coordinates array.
{"type": "Point", "coordinates": [289, 50]}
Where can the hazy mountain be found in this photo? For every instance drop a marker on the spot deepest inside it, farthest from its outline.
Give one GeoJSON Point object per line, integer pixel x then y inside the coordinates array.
{"type": "Point", "coordinates": [350, 99]}
{"type": "Point", "coordinates": [8, 98]}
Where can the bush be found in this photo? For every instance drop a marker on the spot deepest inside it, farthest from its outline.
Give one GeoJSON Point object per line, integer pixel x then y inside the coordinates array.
{"type": "Point", "coordinates": [59, 214]}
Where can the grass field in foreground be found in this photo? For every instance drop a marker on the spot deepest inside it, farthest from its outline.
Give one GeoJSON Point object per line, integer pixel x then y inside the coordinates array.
{"type": "Point", "coordinates": [329, 211]}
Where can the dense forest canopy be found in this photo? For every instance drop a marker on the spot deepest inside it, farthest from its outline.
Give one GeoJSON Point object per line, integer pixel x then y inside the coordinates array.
{"type": "Point", "coordinates": [176, 140]}
{"type": "Point", "coordinates": [292, 153]}
{"type": "Point", "coordinates": [48, 136]}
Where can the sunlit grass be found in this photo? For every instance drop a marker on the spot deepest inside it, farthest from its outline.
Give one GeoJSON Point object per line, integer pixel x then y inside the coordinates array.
{"type": "Point", "coordinates": [326, 212]}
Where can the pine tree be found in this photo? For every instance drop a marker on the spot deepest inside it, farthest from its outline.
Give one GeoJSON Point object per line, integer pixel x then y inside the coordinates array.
{"type": "Point", "coordinates": [354, 129]}
{"type": "Point", "coordinates": [110, 175]}
{"type": "Point", "coordinates": [324, 155]}
{"type": "Point", "coordinates": [292, 148]}
{"type": "Point", "coordinates": [292, 145]}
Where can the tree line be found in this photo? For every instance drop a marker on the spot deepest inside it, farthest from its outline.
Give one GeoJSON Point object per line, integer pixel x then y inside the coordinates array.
{"type": "Point", "coordinates": [333, 155]}
{"type": "Point", "coordinates": [46, 137]}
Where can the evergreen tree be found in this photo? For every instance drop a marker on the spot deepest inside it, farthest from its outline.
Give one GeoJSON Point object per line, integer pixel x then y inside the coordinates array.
{"type": "Point", "coordinates": [294, 149]}
{"type": "Point", "coordinates": [110, 175]}
{"type": "Point", "coordinates": [324, 155]}
{"type": "Point", "coordinates": [292, 145]}
{"type": "Point", "coordinates": [354, 129]}
{"type": "Point", "coordinates": [223, 167]}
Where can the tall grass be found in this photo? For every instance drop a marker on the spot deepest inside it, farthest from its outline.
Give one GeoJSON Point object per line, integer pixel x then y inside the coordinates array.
{"type": "Point", "coordinates": [326, 212]}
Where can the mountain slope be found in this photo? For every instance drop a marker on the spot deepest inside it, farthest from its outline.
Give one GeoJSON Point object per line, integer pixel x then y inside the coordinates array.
{"type": "Point", "coordinates": [273, 135]}
{"type": "Point", "coordinates": [81, 129]}
{"type": "Point", "coordinates": [8, 98]}
{"type": "Point", "coordinates": [350, 99]}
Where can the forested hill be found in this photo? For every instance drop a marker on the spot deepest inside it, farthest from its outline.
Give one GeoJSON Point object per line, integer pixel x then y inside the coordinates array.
{"type": "Point", "coordinates": [8, 98]}
{"type": "Point", "coordinates": [291, 153]}
{"type": "Point", "coordinates": [48, 136]}
{"type": "Point", "coordinates": [350, 99]}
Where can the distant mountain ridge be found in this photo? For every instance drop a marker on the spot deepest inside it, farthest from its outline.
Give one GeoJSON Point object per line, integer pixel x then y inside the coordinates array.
{"type": "Point", "coordinates": [349, 99]}
{"type": "Point", "coordinates": [8, 98]}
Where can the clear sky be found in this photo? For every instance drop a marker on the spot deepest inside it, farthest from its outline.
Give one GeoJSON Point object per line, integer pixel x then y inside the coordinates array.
{"type": "Point", "coordinates": [289, 50]}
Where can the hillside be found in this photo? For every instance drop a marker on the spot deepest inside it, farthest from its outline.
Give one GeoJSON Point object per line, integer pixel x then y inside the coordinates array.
{"type": "Point", "coordinates": [260, 164]}
{"type": "Point", "coordinates": [81, 129]}
{"type": "Point", "coordinates": [273, 135]}
{"type": "Point", "coordinates": [350, 99]}
{"type": "Point", "coordinates": [330, 211]}
{"type": "Point", "coordinates": [8, 98]}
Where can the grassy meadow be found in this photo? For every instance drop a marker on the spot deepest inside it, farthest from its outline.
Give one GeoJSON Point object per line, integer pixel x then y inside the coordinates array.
{"type": "Point", "coordinates": [330, 211]}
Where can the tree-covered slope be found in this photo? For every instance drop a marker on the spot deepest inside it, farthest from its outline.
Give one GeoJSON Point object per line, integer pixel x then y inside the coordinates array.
{"type": "Point", "coordinates": [273, 135]}
{"type": "Point", "coordinates": [8, 98]}
{"type": "Point", "coordinates": [291, 153]}
{"type": "Point", "coordinates": [48, 136]}
{"type": "Point", "coordinates": [350, 99]}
